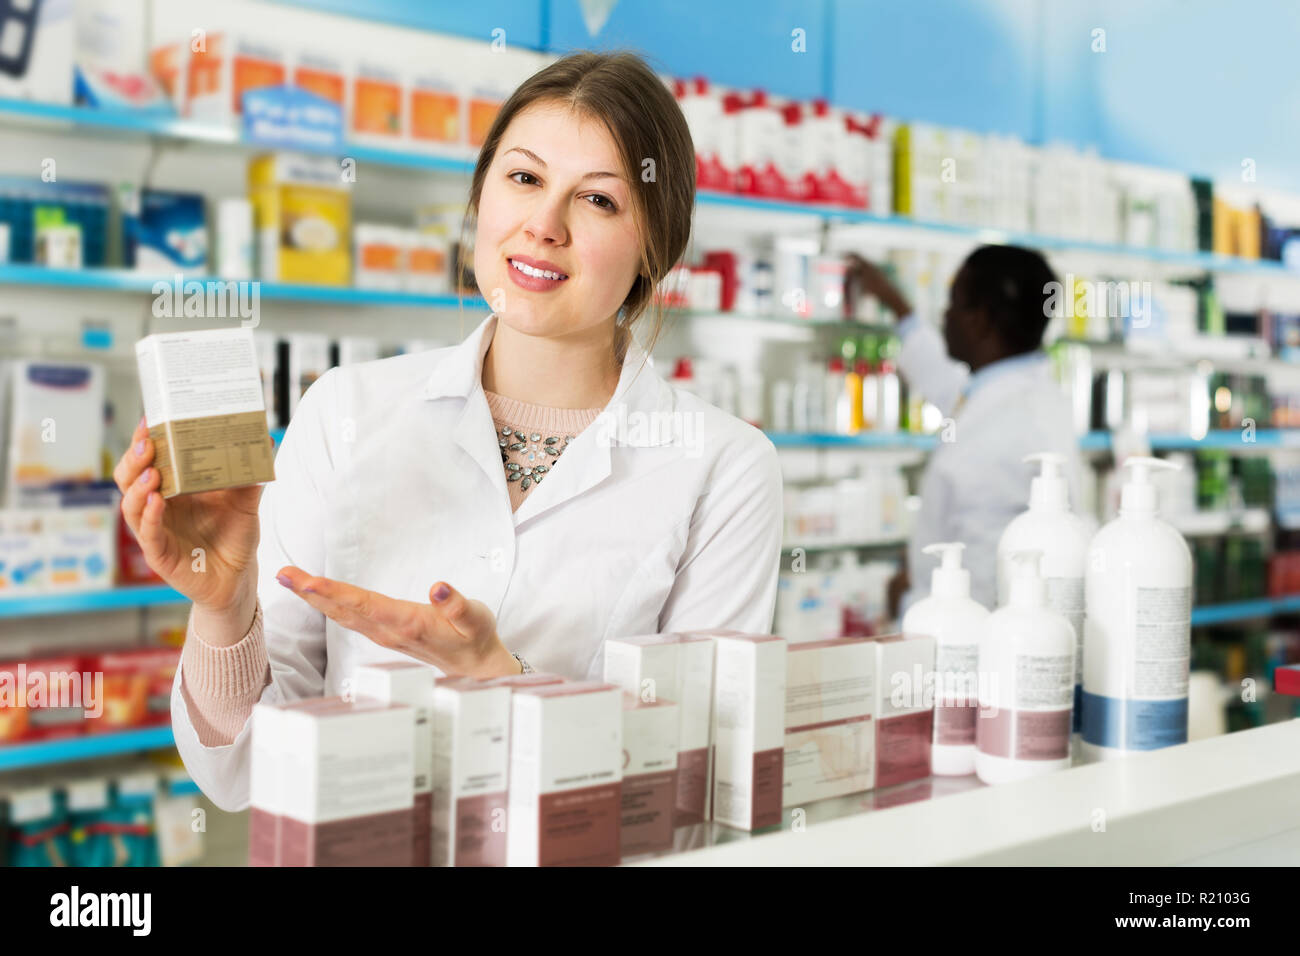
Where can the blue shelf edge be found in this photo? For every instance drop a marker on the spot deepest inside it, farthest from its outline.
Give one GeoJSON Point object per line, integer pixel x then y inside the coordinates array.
{"type": "Point", "coordinates": [109, 599]}
{"type": "Point", "coordinates": [89, 746]}
{"type": "Point", "coordinates": [1228, 440]}
{"type": "Point", "coordinates": [125, 280]}
{"type": "Point", "coordinates": [1243, 610]}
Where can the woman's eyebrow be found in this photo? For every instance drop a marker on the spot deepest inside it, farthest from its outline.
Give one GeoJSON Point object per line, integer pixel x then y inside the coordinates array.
{"type": "Point", "coordinates": [541, 162]}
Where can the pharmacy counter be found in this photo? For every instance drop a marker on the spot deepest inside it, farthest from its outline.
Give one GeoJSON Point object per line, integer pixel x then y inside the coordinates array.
{"type": "Point", "coordinates": [1233, 799]}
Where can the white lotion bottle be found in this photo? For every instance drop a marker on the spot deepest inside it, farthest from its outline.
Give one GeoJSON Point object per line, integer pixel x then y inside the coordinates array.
{"type": "Point", "coordinates": [955, 621]}
{"type": "Point", "coordinates": [1138, 628]}
{"type": "Point", "coordinates": [1026, 682]}
{"type": "Point", "coordinates": [1063, 537]}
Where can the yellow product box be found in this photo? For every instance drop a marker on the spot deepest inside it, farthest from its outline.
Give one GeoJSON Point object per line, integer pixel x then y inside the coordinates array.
{"type": "Point", "coordinates": [204, 409]}
{"type": "Point", "coordinates": [302, 209]}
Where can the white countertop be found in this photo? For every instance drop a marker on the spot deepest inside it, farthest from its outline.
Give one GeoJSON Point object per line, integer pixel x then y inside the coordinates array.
{"type": "Point", "coordinates": [1229, 799]}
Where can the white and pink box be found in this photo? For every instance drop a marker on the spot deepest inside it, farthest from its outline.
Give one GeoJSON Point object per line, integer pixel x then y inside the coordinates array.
{"type": "Point", "coordinates": [830, 689]}
{"type": "Point", "coordinates": [410, 683]}
{"type": "Point", "coordinates": [748, 729]}
{"type": "Point", "coordinates": [904, 707]}
{"type": "Point", "coordinates": [676, 667]}
{"type": "Point", "coordinates": [566, 769]}
{"type": "Point", "coordinates": [332, 781]}
{"type": "Point", "coordinates": [471, 758]}
{"type": "Point", "coordinates": [649, 775]}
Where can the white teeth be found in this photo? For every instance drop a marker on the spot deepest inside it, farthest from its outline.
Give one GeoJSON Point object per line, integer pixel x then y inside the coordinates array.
{"type": "Point", "coordinates": [539, 273]}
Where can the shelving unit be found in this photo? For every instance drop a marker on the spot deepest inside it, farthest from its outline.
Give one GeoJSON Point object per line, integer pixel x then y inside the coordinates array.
{"type": "Point", "coordinates": [170, 128]}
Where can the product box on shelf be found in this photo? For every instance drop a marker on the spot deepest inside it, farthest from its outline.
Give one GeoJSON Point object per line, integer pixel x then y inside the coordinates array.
{"type": "Point", "coordinates": [321, 74]}
{"type": "Point", "coordinates": [23, 564]}
{"type": "Point", "coordinates": [56, 424]}
{"type": "Point", "coordinates": [203, 406]}
{"type": "Point", "coordinates": [566, 760]}
{"type": "Point", "coordinates": [435, 108]}
{"type": "Point", "coordinates": [411, 685]}
{"type": "Point", "coordinates": [55, 695]}
{"type": "Point", "coordinates": [163, 232]}
{"type": "Point", "coordinates": [36, 53]}
{"type": "Point", "coordinates": [303, 214]}
{"type": "Point", "coordinates": [302, 358]}
{"type": "Point", "coordinates": [471, 761]}
{"type": "Point", "coordinates": [331, 784]}
{"type": "Point", "coordinates": [748, 729]}
{"type": "Point", "coordinates": [378, 104]}
{"type": "Point", "coordinates": [230, 64]}
{"type": "Point", "coordinates": [137, 687]}
{"type": "Point", "coordinates": [649, 774]}
{"type": "Point", "coordinates": [381, 256]}
{"type": "Point", "coordinates": [829, 734]}
{"type": "Point", "coordinates": [676, 667]}
{"type": "Point", "coordinates": [79, 548]}
{"type": "Point", "coordinates": [904, 702]}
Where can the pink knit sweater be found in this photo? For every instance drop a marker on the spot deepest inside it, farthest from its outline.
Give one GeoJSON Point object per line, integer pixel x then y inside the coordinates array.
{"type": "Point", "coordinates": [221, 684]}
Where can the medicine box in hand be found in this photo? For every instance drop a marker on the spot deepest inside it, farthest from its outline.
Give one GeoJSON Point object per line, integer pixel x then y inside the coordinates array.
{"type": "Point", "coordinates": [205, 411]}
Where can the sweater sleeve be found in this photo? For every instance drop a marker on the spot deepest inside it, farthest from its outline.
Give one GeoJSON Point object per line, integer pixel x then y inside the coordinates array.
{"type": "Point", "coordinates": [221, 684]}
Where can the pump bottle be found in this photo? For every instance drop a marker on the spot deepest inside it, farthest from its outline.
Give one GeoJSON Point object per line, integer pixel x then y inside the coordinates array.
{"type": "Point", "coordinates": [1026, 678]}
{"type": "Point", "coordinates": [1137, 633]}
{"type": "Point", "coordinates": [1050, 527]}
{"type": "Point", "coordinates": [955, 621]}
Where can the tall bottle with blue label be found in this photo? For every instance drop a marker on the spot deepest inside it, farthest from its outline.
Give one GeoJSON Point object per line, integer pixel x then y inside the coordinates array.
{"type": "Point", "coordinates": [1137, 631]}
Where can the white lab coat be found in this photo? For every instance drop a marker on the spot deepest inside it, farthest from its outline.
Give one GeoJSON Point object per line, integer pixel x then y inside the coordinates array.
{"type": "Point", "coordinates": [664, 515]}
{"type": "Point", "coordinates": [976, 482]}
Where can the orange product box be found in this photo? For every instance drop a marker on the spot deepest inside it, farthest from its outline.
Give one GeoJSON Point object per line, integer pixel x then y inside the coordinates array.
{"type": "Point", "coordinates": [137, 687]}
{"type": "Point", "coordinates": [225, 69]}
{"type": "Point", "coordinates": [322, 76]}
{"type": "Point", "coordinates": [483, 110]}
{"type": "Point", "coordinates": [377, 102]}
{"type": "Point", "coordinates": [435, 113]}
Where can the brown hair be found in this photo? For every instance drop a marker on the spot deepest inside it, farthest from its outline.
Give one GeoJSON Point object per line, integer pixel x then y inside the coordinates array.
{"type": "Point", "coordinates": [653, 142]}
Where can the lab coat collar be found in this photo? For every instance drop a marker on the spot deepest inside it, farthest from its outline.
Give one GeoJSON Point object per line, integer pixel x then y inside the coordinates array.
{"type": "Point", "coordinates": [641, 399]}
{"type": "Point", "coordinates": [640, 390]}
{"type": "Point", "coordinates": [1028, 362]}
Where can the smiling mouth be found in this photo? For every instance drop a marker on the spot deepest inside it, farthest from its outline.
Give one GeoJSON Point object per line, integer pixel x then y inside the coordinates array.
{"type": "Point", "coordinates": [536, 273]}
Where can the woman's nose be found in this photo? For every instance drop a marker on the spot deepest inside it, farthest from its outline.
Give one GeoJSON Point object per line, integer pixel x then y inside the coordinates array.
{"type": "Point", "coordinates": [546, 223]}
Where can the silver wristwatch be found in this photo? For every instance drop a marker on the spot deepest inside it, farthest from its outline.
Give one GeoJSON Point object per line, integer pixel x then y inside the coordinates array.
{"type": "Point", "coordinates": [527, 667]}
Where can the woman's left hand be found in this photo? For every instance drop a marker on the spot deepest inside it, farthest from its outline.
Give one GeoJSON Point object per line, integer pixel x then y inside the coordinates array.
{"type": "Point", "coordinates": [454, 633]}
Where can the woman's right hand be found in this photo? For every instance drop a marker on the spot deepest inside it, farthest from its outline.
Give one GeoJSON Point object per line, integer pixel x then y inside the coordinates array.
{"type": "Point", "coordinates": [203, 544]}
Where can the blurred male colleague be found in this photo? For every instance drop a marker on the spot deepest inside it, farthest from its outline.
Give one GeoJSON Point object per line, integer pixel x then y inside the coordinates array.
{"type": "Point", "coordinates": [990, 378]}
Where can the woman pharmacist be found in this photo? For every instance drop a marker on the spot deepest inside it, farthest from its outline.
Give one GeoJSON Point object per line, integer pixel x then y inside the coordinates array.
{"type": "Point", "coordinates": [510, 501]}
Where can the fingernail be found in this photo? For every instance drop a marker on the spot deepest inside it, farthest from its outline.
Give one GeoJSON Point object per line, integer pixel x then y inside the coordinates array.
{"type": "Point", "coordinates": [141, 425]}
{"type": "Point", "coordinates": [284, 579]}
{"type": "Point", "coordinates": [441, 593]}
{"type": "Point", "coordinates": [144, 476]}
{"type": "Point", "coordinates": [139, 447]}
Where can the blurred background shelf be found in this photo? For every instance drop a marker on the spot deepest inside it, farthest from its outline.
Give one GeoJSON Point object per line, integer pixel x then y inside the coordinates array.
{"type": "Point", "coordinates": [76, 602]}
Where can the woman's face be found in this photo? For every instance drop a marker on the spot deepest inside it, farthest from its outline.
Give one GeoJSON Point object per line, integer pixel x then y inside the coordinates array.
{"type": "Point", "coordinates": [555, 197]}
